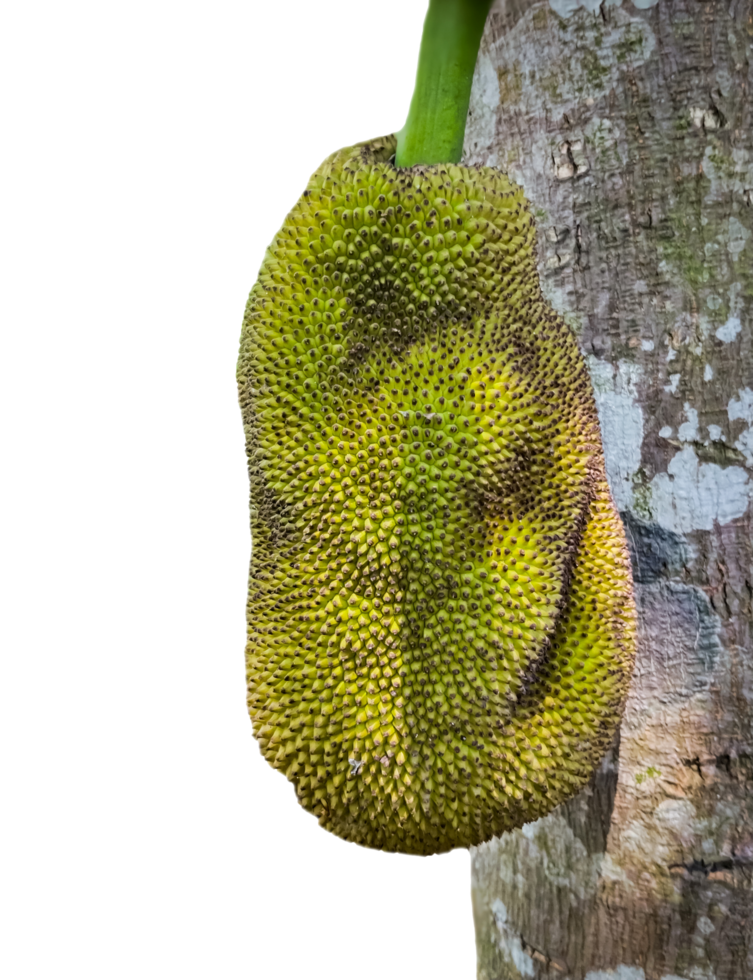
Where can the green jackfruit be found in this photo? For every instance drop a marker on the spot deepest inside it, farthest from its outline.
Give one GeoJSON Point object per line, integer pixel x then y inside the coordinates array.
{"type": "Point", "coordinates": [440, 613]}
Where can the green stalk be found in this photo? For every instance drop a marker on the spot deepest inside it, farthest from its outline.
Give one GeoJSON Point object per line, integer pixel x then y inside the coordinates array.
{"type": "Point", "coordinates": [435, 128]}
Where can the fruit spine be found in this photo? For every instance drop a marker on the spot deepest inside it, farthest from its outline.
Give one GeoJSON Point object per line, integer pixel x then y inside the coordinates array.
{"type": "Point", "coordinates": [440, 614]}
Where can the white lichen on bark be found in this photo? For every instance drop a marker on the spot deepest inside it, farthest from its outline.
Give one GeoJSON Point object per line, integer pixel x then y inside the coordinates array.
{"type": "Point", "coordinates": [630, 126]}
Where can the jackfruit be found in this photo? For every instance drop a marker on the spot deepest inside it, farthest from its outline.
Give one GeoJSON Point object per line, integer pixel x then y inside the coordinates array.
{"type": "Point", "coordinates": [440, 613]}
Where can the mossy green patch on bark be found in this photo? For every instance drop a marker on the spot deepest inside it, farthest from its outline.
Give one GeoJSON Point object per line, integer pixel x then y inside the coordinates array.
{"type": "Point", "coordinates": [510, 83]}
{"type": "Point", "coordinates": [641, 495]}
{"type": "Point", "coordinates": [684, 234]}
{"type": "Point", "coordinates": [629, 45]}
{"type": "Point", "coordinates": [650, 773]}
{"type": "Point", "coordinates": [594, 70]}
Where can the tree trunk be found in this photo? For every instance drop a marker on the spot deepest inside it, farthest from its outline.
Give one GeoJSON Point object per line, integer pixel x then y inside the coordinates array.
{"type": "Point", "coordinates": [631, 129]}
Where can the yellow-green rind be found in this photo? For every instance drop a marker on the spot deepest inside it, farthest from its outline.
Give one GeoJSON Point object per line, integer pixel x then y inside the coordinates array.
{"type": "Point", "coordinates": [441, 624]}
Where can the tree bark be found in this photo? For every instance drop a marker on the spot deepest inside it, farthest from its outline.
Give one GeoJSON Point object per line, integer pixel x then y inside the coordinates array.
{"type": "Point", "coordinates": [630, 127]}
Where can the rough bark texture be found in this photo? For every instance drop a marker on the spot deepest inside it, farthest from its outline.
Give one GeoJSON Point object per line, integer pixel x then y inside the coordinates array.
{"type": "Point", "coordinates": [631, 129]}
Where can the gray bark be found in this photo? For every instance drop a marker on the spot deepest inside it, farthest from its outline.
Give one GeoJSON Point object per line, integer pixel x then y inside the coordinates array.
{"type": "Point", "coordinates": [631, 129]}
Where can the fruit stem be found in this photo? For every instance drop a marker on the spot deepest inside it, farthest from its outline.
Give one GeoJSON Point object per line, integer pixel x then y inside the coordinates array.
{"type": "Point", "coordinates": [435, 128]}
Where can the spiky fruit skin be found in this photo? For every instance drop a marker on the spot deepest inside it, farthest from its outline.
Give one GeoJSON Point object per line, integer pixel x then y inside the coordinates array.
{"type": "Point", "coordinates": [440, 615]}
